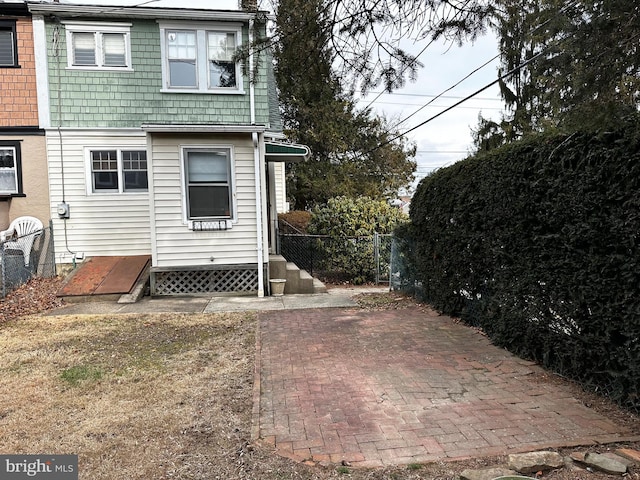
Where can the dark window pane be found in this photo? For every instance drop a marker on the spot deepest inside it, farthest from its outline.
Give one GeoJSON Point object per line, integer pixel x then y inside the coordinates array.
{"type": "Point", "coordinates": [222, 74]}
{"type": "Point", "coordinates": [7, 57]}
{"type": "Point", "coordinates": [135, 180]}
{"type": "Point", "coordinates": [105, 180]}
{"type": "Point", "coordinates": [6, 158]}
{"type": "Point", "coordinates": [209, 201]}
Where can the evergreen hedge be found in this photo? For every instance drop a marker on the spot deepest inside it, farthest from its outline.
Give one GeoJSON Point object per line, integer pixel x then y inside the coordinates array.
{"type": "Point", "coordinates": [538, 244]}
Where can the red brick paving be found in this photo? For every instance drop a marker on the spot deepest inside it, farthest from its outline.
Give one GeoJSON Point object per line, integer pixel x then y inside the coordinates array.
{"type": "Point", "coordinates": [404, 386]}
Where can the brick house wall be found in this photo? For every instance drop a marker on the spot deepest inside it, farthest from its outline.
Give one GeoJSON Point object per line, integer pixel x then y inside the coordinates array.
{"type": "Point", "coordinates": [18, 94]}
{"type": "Point", "coordinates": [19, 125]}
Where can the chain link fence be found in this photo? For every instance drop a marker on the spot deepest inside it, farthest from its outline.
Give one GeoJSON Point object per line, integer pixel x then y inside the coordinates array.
{"type": "Point", "coordinates": [20, 261]}
{"type": "Point", "coordinates": [349, 259]}
{"type": "Point", "coordinates": [402, 275]}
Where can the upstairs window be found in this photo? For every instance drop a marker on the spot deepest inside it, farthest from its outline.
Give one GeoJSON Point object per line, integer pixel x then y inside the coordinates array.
{"type": "Point", "coordinates": [200, 60]}
{"type": "Point", "coordinates": [222, 68]}
{"type": "Point", "coordinates": [182, 59]}
{"type": "Point", "coordinates": [8, 46]}
{"type": "Point", "coordinates": [118, 171]}
{"type": "Point", "coordinates": [10, 168]}
{"type": "Point", "coordinates": [98, 46]}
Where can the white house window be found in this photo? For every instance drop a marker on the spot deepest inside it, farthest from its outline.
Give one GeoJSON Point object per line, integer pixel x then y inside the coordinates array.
{"type": "Point", "coordinates": [8, 51]}
{"type": "Point", "coordinates": [10, 169]}
{"type": "Point", "coordinates": [222, 68]}
{"type": "Point", "coordinates": [98, 46]}
{"type": "Point", "coordinates": [117, 171]}
{"type": "Point", "coordinates": [134, 166]}
{"type": "Point", "coordinates": [200, 60]}
{"type": "Point", "coordinates": [182, 58]}
{"type": "Point", "coordinates": [114, 50]}
{"type": "Point", "coordinates": [208, 183]}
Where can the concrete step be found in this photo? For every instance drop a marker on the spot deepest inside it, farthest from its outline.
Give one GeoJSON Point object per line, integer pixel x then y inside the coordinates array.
{"type": "Point", "coordinates": [318, 286]}
{"type": "Point", "coordinates": [298, 281]}
{"type": "Point", "coordinates": [305, 282]}
{"type": "Point", "coordinates": [138, 290]}
{"type": "Point", "coordinates": [277, 266]}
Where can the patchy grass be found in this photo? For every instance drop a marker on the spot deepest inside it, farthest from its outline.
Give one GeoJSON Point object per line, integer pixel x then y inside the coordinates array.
{"type": "Point", "coordinates": [145, 396]}
{"type": "Point", "coordinates": [74, 376]}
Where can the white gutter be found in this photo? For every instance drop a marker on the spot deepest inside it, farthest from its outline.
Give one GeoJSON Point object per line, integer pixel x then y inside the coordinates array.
{"type": "Point", "coordinates": [257, 167]}
{"type": "Point", "coordinates": [164, 128]}
{"type": "Point", "coordinates": [114, 11]}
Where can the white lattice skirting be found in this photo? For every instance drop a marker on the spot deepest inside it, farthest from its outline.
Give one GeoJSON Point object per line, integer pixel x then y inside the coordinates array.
{"type": "Point", "coordinates": [219, 280]}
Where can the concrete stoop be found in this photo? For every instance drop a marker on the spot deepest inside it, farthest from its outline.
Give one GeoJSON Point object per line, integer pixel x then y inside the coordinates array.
{"type": "Point", "coordinates": [298, 281]}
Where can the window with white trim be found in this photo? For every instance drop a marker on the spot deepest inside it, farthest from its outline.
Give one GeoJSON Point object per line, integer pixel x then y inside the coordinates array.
{"type": "Point", "coordinates": [10, 168]}
{"type": "Point", "coordinates": [208, 183]}
{"type": "Point", "coordinates": [98, 46]}
{"type": "Point", "coordinates": [200, 60]}
{"type": "Point", "coordinates": [8, 50]}
{"type": "Point", "coordinates": [118, 171]}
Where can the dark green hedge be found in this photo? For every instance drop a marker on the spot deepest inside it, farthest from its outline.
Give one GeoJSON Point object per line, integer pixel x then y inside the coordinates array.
{"type": "Point", "coordinates": [538, 244]}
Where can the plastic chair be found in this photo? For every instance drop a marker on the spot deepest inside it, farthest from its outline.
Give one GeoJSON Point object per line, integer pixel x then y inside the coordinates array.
{"type": "Point", "coordinates": [23, 231]}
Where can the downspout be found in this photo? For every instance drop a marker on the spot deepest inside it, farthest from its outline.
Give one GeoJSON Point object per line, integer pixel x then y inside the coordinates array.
{"type": "Point", "coordinates": [56, 52]}
{"type": "Point", "coordinates": [257, 166]}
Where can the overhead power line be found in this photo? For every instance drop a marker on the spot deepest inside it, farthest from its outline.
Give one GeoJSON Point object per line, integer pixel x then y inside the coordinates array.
{"type": "Point", "coordinates": [468, 97]}
{"type": "Point", "coordinates": [453, 97]}
{"type": "Point", "coordinates": [438, 106]}
{"type": "Point", "coordinates": [464, 99]}
{"type": "Point", "coordinates": [448, 89]}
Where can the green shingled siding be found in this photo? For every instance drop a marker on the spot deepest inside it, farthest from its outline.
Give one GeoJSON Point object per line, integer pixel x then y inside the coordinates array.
{"type": "Point", "coordinates": [98, 99]}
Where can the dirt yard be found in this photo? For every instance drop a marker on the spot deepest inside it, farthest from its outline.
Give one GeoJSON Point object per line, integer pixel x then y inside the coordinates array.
{"type": "Point", "coordinates": [165, 396]}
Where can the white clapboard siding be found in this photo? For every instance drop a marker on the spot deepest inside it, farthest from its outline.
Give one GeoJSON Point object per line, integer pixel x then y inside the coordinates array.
{"type": "Point", "coordinates": [99, 224]}
{"type": "Point", "coordinates": [280, 187]}
{"type": "Point", "coordinates": [175, 244]}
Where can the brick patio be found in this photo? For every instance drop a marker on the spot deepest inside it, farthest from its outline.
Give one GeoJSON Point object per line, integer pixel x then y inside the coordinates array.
{"type": "Point", "coordinates": [405, 386]}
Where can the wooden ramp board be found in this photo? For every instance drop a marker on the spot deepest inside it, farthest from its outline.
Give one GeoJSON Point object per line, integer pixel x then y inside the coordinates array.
{"type": "Point", "coordinates": [105, 275]}
{"type": "Point", "coordinates": [123, 276]}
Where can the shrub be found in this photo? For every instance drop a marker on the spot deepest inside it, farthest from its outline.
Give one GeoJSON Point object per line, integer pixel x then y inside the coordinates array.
{"type": "Point", "coordinates": [350, 225]}
{"type": "Point", "coordinates": [295, 221]}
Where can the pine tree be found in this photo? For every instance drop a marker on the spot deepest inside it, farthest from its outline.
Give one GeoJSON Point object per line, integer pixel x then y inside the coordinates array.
{"type": "Point", "coordinates": [580, 66]}
{"type": "Point", "coordinates": [347, 156]}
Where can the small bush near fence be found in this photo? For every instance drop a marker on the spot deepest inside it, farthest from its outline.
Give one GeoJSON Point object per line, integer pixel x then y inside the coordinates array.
{"type": "Point", "coordinates": [354, 260]}
{"type": "Point", "coordinates": [348, 237]}
{"type": "Point", "coordinates": [538, 244]}
{"type": "Point", "coordinates": [41, 262]}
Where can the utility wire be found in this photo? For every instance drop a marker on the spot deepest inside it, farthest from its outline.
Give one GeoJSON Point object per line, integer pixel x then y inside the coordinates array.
{"type": "Point", "coordinates": [476, 70]}
{"type": "Point", "coordinates": [460, 102]}
{"type": "Point", "coordinates": [464, 99]}
{"type": "Point", "coordinates": [455, 97]}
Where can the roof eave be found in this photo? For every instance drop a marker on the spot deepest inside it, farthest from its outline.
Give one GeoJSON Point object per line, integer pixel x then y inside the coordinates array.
{"type": "Point", "coordinates": [167, 128]}
{"type": "Point", "coordinates": [107, 11]}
